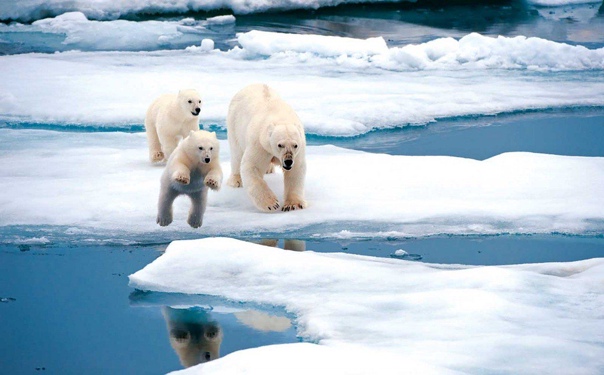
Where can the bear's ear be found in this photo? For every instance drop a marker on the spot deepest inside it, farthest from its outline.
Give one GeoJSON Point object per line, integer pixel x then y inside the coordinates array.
{"type": "Point", "coordinates": [191, 132]}
{"type": "Point", "coordinates": [214, 134]}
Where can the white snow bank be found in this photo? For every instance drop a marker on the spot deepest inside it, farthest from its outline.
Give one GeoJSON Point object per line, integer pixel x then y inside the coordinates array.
{"type": "Point", "coordinates": [473, 51]}
{"type": "Point", "coordinates": [373, 315]}
{"type": "Point", "coordinates": [345, 95]}
{"type": "Point", "coordinates": [30, 10]}
{"type": "Point", "coordinates": [105, 181]}
{"type": "Point", "coordinates": [268, 43]}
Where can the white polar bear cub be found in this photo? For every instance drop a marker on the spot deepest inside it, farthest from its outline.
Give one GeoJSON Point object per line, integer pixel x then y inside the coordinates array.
{"type": "Point", "coordinates": [169, 119]}
{"type": "Point", "coordinates": [262, 128]}
{"type": "Point", "coordinates": [192, 168]}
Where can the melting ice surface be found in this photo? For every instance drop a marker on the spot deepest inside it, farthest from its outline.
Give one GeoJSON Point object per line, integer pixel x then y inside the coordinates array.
{"type": "Point", "coordinates": [394, 316]}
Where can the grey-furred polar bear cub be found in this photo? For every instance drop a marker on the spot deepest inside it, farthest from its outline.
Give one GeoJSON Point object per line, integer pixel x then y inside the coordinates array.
{"type": "Point", "coordinates": [191, 169]}
{"type": "Point", "coordinates": [263, 129]}
{"type": "Point", "coordinates": [168, 120]}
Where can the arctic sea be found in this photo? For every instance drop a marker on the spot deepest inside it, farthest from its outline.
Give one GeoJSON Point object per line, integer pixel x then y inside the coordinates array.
{"type": "Point", "coordinates": [456, 169]}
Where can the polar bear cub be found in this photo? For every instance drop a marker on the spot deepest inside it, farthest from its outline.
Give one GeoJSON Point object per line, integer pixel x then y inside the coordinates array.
{"type": "Point", "coordinates": [191, 169]}
{"type": "Point", "coordinates": [262, 129]}
{"type": "Point", "coordinates": [169, 119]}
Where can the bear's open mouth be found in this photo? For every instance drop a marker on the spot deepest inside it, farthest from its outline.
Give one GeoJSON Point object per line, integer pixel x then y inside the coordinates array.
{"type": "Point", "coordinates": [195, 114]}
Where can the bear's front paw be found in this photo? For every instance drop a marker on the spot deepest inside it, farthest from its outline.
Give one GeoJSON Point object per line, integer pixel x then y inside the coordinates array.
{"type": "Point", "coordinates": [268, 204]}
{"type": "Point", "coordinates": [181, 179]}
{"type": "Point", "coordinates": [164, 221]}
{"type": "Point", "coordinates": [235, 181]}
{"type": "Point", "coordinates": [212, 183]}
{"type": "Point", "coordinates": [291, 205]}
{"type": "Point", "coordinates": [157, 156]}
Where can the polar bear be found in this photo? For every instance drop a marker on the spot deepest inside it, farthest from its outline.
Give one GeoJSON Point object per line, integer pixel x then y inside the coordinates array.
{"type": "Point", "coordinates": [263, 129]}
{"type": "Point", "coordinates": [191, 169]}
{"type": "Point", "coordinates": [169, 119]}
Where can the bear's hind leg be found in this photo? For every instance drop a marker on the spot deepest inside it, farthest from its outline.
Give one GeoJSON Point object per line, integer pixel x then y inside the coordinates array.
{"type": "Point", "coordinates": [236, 155]}
{"type": "Point", "coordinates": [155, 152]}
{"type": "Point", "coordinates": [164, 206]}
{"type": "Point", "coordinates": [169, 142]}
{"type": "Point", "coordinates": [198, 208]}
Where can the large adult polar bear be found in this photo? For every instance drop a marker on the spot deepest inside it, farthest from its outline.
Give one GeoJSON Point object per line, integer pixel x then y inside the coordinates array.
{"type": "Point", "coordinates": [262, 128]}
{"type": "Point", "coordinates": [169, 119]}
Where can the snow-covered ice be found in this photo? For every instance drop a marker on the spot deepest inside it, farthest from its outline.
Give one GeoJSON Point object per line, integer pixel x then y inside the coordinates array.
{"type": "Point", "coordinates": [364, 85]}
{"type": "Point", "coordinates": [372, 315]}
{"type": "Point", "coordinates": [103, 182]}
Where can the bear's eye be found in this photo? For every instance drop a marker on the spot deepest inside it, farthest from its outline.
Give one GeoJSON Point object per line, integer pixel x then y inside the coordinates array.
{"type": "Point", "coordinates": [190, 101]}
{"type": "Point", "coordinates": [211, 148]}
{"type": "Point", "coordinates": [200, 101]}
{"type": "Point", "coordinates": [295, 146]}
{"type": "Point", "coordinates": [280, 145]}
{"type": "Point", "coordinates": [201, 148]}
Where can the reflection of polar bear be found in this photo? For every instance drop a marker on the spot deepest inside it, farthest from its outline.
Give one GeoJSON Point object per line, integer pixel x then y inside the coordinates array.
{"type": "Point", "coordinates": [193, 167]}
{"type": "Point", "coordinates": [170, 118]}
{"type": "Point", "coordinates": [195, 337]}
{"type": "Point", "coordinates": [262, 128]}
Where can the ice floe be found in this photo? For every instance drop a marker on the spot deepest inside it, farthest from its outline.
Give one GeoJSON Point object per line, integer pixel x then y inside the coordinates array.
{"type": "Point", "coordinates": [80, 33]}
{"type": "Point", "coordinates": [103, 183]}
{"type": "Point", "coordinates": [339, 86]}
{"type": "Point", "coordinates": [371, 315]}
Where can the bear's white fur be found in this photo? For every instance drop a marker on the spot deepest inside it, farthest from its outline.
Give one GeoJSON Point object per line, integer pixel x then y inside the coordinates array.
{"type": "Point", "coordinates": [192, 168]}
{"type": "Point", "coordinates": [169, 119]}
{"type": "Point", "coordinates": [263, 129]}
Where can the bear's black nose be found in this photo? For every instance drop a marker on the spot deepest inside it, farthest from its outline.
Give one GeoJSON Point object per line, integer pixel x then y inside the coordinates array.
{"type": "Point", "coordinates": [197, 110]}
{"type": "Point", "coordinates": [207, 160]}
{"type": "Point", "coordinates": [287, 163]}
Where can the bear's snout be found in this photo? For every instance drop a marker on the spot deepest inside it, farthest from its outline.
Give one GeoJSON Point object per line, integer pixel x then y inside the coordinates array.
{"type": "Point", "coordinates": [207, 160]}
{"type": "Point", "coordinates": [287, 164]}
{"type": "Point", "coordinates": [196, 111]}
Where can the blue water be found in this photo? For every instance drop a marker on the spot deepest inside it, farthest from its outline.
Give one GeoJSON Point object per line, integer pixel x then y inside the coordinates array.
{"type": "Point", "coordinates": [70, 311]}
{"type": "Point", "coordinates": [66, 308]}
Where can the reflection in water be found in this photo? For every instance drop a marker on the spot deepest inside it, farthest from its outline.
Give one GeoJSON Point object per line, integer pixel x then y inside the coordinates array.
{"type": "Point", "coordinates": [195, 337]}
{"type": "Point", "coordinates": [288, 244]}
{"type": "Point", "coordinates": [197, 324]}
{"type": "Point", "coordinates": [262, 321]}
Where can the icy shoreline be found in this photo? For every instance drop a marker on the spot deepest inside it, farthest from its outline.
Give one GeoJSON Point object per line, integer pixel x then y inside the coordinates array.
{"type": "Point", "coordinates": [409, 317]}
